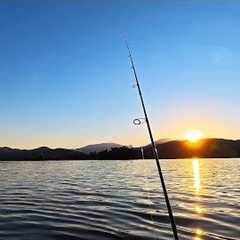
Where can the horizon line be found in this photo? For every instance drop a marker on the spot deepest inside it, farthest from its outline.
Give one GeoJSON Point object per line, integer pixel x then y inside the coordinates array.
{"type": "Point", "coordinates": [122, 145]}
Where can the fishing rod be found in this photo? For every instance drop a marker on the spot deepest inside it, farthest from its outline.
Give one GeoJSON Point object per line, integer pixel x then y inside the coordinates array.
{"type": "Point", "coordinates": [138, 122]}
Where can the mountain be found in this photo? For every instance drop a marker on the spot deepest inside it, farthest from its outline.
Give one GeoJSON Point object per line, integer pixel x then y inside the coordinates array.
{"type": "Point", "coordinates": [42, 153]}
{"type": "Point", "coordinates": [204, 148]}
{"type": "Point", "coordinates": [163, 140]}
{"type": "Point", "coordinates": [96, 148]}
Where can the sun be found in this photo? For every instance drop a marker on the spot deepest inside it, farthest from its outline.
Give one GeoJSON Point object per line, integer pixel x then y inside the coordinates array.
{"type": "Point", "coordinates": [193, 136]}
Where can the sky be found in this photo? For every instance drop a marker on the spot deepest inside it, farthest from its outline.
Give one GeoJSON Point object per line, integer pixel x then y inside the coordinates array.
{"type": "Point", "coordinates": [66, 81]}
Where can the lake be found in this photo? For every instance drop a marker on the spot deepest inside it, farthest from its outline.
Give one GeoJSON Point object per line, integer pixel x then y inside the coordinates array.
{"type": "Point", "coordinates": [119, 199]}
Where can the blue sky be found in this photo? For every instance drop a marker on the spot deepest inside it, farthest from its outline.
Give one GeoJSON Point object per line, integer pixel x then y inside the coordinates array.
{"type": "Point", "coordinates": [66, 80]}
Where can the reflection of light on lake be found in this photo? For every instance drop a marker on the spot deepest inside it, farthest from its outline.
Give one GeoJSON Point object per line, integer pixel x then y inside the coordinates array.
{"type": "Point", "coordinates": [198, 209]}
{"type": "Point", "coordinates": [198, 198]}
{"type": "Point", "coordinates": [198, 231]}
{"type": "Point", "coordinates": [197, 187]}
{"type": "Point", "coordinates": [196, 172]}
{"type": "Point", "coordinates": [197, 238]}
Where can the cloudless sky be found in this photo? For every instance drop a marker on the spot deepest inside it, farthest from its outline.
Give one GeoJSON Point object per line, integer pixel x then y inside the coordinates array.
{"type": "Point", "coordinates": [65, 78]}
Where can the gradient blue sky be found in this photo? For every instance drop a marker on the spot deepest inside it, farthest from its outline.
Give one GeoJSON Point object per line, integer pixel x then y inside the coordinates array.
{"type": "Point", "coordinates": [66, 81]}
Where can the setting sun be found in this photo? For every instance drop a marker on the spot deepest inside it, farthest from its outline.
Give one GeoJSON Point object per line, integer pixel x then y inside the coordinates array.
{"type": "Point", "coordinates": [193, 136]}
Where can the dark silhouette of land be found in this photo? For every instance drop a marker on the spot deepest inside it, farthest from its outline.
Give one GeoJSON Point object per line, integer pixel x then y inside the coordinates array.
{"type": "Point", "coordinates": [205, 148]}
{"type": "Point", "coordinates": [98, 147]}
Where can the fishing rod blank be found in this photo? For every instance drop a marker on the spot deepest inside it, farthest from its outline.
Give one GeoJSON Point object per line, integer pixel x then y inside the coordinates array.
{"type": "Point", "coordinates": [170, 213]}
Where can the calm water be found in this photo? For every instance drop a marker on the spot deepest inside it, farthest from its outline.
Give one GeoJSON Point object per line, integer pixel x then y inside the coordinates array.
{"type": "Point", "coordinates": [118, 199]}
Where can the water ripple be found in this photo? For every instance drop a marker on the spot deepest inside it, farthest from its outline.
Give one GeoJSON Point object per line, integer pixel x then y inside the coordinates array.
{"type": "Point", "coordinates": [118, 200]}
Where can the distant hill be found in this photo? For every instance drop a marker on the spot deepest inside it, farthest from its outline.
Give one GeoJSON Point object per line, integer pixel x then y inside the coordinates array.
{"type": "Point", "coordinates": [42, 153]}
{"type": "Point", "coordinates": [205, 148]}
{"type": "Point", "coordinates": [96, 148]}
{"type": "Point", "coordinates": [163, 140]}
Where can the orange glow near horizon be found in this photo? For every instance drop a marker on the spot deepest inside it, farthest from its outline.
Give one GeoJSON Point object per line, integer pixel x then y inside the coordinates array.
{"type": "Point", "coordinates": [193, 136]}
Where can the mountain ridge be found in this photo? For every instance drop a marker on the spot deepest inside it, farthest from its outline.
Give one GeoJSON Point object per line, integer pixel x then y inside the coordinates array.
{"type": "Point", "coordinates": [204, 148]}
{"type": "Point", "coordinates": [98, 147]}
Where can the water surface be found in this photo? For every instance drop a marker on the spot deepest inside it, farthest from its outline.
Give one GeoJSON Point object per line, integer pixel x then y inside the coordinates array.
{"type": "Point", "coordinates": [119, 199]}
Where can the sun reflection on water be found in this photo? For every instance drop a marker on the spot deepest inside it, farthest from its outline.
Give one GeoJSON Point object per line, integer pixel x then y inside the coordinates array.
{"type": "Point", "coordinates": [197, 179]}
{"type": "Point", "coordinates": [199, 209]}
{"type": "Point", "coordinates": [197, 188]}
{"type": "Point", "coordinates": [199, 232]}
{"type": "Point", "coordinates": [197, 238]}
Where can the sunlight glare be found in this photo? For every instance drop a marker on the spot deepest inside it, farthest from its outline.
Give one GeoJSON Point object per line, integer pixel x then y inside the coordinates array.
{"type": "Point", "coordinates": [198, 209]}
{"type": "Point", "coordinates": [197, 238]}
{"type": "Point", "coordinates": [198, 231]}
{"type": "Point", "coordinates": [193, 136]}
{"type": "Point", "coordinates": [196, 173]}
